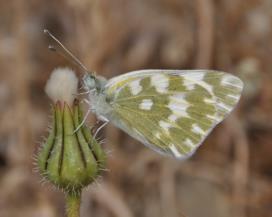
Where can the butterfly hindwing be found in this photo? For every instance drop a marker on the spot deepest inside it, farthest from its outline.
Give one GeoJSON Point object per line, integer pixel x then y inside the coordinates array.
{"type": "Point", "coordinates": [172, 111]}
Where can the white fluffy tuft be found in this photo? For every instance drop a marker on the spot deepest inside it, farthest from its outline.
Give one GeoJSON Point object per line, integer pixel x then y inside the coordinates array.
{"type": "Point", "coordinates": [62, 85]}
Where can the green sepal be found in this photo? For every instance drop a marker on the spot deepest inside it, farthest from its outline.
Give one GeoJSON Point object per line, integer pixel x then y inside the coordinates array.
{"type": "Point", "coordinates": [47, 146]}
{"type": "Point", "coordinates": [96, 148]}
{"type": "Point", "coordinates": [90, 160]}
{"type": "Point", "coordinates": [55, 156]}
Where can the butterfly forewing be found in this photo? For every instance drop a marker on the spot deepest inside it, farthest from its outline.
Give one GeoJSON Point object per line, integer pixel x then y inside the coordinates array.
{"type": "Point", "coordinates": [172, 111]}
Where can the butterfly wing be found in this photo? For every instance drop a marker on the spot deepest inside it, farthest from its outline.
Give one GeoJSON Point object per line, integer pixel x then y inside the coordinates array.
{"type": "Point", "coordinates": [172, 111]}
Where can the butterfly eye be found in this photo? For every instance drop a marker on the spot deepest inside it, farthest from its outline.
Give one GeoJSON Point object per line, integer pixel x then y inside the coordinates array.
{"type": "Point", "coordinates": [89, 82]}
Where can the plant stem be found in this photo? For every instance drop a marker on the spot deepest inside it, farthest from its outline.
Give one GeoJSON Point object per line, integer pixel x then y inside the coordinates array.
{"type": "Point", "coordinates": [73, 204]}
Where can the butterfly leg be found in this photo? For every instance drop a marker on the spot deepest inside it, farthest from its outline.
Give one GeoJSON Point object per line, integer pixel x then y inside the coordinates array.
{"type": "Point", "coordinates": [100, 128]}
{"type": "Point", "coordinates": [101, 118]}
{"type": "Point", "coordinates": [84, 93]}
{"type": "Point", "coordinates": [83, 121]}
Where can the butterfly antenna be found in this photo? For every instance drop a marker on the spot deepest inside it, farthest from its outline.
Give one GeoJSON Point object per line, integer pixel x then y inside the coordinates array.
{"type": "Point", "coordinates": [63, 51]}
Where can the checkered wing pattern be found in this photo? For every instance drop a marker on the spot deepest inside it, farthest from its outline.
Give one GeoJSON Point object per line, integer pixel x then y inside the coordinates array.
{"type": "Point", "coordinates": [172, 111]}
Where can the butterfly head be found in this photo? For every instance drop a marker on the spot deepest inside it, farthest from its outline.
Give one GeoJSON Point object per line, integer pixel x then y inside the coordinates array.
{"type": "Point", "coordinates": [92, 82]}
{"type": "Point", "coordinates": [89, 81]}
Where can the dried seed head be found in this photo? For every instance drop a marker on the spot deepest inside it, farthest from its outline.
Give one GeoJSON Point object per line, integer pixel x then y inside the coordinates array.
{"type": "Point", "coordinates": [62, 85]}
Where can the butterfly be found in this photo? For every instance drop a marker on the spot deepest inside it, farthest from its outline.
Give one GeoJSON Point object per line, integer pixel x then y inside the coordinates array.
{"type": "Point", "coordinates": [169, 111]}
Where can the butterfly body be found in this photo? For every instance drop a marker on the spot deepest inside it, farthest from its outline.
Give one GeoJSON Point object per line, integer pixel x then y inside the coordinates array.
{"type": "Point", "coordinates": [170, 111]}
{"type": "Point", "coordinates": [95, 87]}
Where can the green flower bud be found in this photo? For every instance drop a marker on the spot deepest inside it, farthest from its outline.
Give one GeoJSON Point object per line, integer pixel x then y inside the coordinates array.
{"type": "Point", "coordinates": [70, 158]}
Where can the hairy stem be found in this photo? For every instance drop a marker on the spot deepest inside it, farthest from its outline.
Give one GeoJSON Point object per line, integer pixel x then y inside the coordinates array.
{"type": "Point", "coordinates": [73, 204]}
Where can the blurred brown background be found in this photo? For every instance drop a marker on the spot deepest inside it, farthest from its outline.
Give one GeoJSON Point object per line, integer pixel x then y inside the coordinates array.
{"type": "Point", "coordinates": [230, 175]}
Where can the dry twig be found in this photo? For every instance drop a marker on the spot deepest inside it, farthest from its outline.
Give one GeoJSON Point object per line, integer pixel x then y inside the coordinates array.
{"type": "Point", "coordinates": [205, 33]}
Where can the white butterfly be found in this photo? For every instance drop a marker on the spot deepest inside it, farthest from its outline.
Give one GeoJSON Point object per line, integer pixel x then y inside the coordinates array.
{"type": "Point", "coordinates": [170, 111]}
